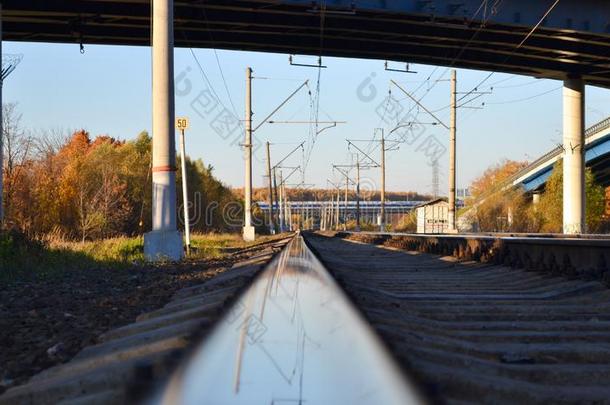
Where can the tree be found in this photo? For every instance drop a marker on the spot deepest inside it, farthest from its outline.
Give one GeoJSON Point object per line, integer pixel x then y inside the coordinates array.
{"type": "Point", "coordinates": [83, 187]}
{"type": "Point", "coordinates": [551, 202]}
{"type": "Point", "coordinates": [498, 207]}
{"type": "Point", "coordinates": [209, 199]}
{"type": "Point", "coordinates": [16, 144]}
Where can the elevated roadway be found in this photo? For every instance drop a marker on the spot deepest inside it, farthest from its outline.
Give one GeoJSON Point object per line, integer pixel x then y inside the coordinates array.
{"type": "Point", "coordinates": [474, 34]}
{"type": "Point", "coordinates": [597, 157]}
{"type": "Point", "coordinates": [533, 177]}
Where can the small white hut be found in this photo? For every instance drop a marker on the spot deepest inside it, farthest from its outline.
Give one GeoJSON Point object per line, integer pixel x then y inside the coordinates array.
{"type": "Point", "coordinates": [433, 217]}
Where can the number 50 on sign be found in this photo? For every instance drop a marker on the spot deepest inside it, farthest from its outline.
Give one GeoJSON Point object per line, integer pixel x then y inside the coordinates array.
{"type": "Point", "coordinates": [182, 123]}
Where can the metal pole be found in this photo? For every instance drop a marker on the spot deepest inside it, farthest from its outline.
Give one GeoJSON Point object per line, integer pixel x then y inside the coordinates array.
{"type": "Point", "coordinates": [322, 214]}
{"type": "Point", "coordinates": [333, 218]}
{"type": "Point", "coordinates": [271, 224]}
{"type": "Point", "coordinates": [248, 231]}
{"type": "Point", "coordinates": [164, 241]}
{"type": "Point", "coordinates": [275, 198]}
{"type": "Point", "coordinates": [574, 156]}
{"type": "Point", "coordinates": [382, 209]}
{"type": "Point", "coordinates": [345, 211]}
{"type": "Point", "coordinates": [358, 196]}
{"type": "Point", "coordinates": [289, 210]}
{"type": "Point", "coordinates": [337, 209]}
{"type": "Point", "coordinates": [452, 136]}
{"type": "Point", "coordinates": [185, 200]}
{"type": "Point", "coordinates": [286, 204]}
{"type": "Point", "coordinates": [281, 207]}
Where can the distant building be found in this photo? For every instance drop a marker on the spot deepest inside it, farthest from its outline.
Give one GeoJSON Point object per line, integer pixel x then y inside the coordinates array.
{"type": "Point", "coordinates": [433, 217]}
{"type": "Point", "coordinates": [462, 194]}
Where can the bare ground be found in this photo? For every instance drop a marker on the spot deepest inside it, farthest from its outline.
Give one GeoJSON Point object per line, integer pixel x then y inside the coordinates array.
{"type": "Point", "coordinates": [46, 321]}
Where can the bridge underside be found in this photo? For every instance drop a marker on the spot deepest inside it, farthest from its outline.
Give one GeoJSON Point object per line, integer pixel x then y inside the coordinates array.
{"type": "Point", "coordinates": [600, 167]}
{"type": "Point", "coordinates": [597, 158]}
{"type": "Point", "coordinates": [406, 32]}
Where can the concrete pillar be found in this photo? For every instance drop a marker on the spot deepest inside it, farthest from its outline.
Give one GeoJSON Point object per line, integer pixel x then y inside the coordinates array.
{"type": "Point", "coordinates": [535, 198]}
{"type": "Point", "coordinates": [574, 156]}
{"type": "Point", "coordinates": [452, 140]}
{"type": "Point", "coordinates": [164, 242]}
{"type": "Point", "coordinates": [1, 137]}
{"type": "Point", "coordinates": [275, 200]}
{"type": "Point", "coordinates": [358, 195]}
{"type": "Point", "coordinates": [345, 204]}
{"type": "Point", "coordinates": [248, 231]}
{"type": "Point", "coordinates": [382, 208]}
{"type": "Point", "coordinates": [270, 184]}
{"type": "Point", "coordinates": [338, 210]}
{"type": "Point", "coordinates": [282, 208]}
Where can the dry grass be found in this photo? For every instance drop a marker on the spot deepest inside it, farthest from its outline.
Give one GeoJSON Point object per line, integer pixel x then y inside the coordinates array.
{"type": "Point", "coordinates": [22, 257]}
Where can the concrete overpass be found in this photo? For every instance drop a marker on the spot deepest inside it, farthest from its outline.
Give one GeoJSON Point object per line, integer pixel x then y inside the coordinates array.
{"type": "Point", "coordinates": [567, 40]}
{"type": "Point", "coordinates": [471, 34]}
{"type": "Point", "coordinates": [597, 156]}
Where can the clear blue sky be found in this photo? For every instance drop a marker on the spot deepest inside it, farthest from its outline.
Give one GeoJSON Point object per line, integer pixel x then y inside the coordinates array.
{"type": "Point", "coordinates": [108, 91]}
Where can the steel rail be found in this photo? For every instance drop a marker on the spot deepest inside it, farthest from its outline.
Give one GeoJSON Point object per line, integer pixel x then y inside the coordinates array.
{"type": "Point", "coordinates": [292, 337]}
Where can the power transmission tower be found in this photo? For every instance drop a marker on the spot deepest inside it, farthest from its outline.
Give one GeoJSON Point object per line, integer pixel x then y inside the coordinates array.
{"type": "Point", "coordinates": [435, 179]}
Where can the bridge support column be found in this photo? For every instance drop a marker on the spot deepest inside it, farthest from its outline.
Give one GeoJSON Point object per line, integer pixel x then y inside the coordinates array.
{"type": "Point", "coordinates": [164, 241]}
{"type": "Point", "coordinates": [535, 198]}
{"type": "Point", "coordinates": [573, 157]}
{"type": "Point", "coordinates": [1, 134]}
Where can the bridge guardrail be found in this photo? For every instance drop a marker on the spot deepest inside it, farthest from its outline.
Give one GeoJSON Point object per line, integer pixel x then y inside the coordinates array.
{"type": "Point", "coordinates": [589, 132]}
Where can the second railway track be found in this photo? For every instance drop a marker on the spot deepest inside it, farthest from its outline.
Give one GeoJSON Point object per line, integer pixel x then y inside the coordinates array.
{"type": "Point", "coordinates": [474, 332]}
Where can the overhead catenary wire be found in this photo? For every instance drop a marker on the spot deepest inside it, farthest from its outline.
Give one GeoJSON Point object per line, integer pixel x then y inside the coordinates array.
{"type": "Point", "coordinates": [527, 36]}
{"type": "Point", "coordinates": [224, 81]}
{"type": "Point", "coordinates": [495, 6]}
{"type": "Point", "coordinates": [526, 98]}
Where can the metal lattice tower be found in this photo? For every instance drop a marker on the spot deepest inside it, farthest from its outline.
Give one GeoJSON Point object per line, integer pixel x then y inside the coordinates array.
{"type": "Point", "coordinates": [435, 179]}
{"type": "Point", "coordinates": [9, 63]}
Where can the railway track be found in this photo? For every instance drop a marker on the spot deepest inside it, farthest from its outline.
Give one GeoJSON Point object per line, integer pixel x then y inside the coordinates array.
{"type": "Point", "coordinates": [128, 363]}
{"type": "Point", "coordinates": [454, 332]}
{"type": "Point", "coordinates": [480, 333]}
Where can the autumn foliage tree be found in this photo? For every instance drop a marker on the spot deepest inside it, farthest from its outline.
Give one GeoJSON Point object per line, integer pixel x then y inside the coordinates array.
{"type": "Point", "coordinates": [550, 207]}
{"type": "Point", "coordinates": [80, 187]}
{"type": "Point", "coordinates": [499, 209]}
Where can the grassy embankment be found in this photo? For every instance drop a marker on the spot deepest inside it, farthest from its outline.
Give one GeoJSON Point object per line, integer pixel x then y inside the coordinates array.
{"type": "Point", "coordinates": [21, 257]}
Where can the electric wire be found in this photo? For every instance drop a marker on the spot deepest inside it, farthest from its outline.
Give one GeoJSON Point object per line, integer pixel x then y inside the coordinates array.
{"type": "Point", "coordinates": [529, 34]}
{"type": "Point", "coordinates": [525, 98]}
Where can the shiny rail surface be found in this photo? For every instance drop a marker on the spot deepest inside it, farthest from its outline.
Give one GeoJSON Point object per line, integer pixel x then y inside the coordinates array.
{"type": "Point", "coordinates": [292, 338]}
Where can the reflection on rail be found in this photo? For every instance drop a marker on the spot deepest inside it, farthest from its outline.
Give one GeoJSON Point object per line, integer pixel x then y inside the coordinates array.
{"type": "Point", "coordinates": [292, 338]}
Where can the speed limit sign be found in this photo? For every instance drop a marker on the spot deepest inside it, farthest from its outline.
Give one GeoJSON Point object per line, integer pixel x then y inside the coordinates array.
{"type": "Point", "coordinates": [182, 123]}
